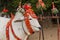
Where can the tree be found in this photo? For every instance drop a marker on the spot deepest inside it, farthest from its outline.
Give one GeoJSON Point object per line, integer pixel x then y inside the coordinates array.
{"type": "Point", "coordinates": [12, 4]}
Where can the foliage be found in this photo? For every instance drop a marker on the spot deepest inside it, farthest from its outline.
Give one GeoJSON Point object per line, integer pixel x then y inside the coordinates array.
{"type": "Point", "coordinates": [55, 11]}
{"type": "Point", "coordinates": [12, 5]}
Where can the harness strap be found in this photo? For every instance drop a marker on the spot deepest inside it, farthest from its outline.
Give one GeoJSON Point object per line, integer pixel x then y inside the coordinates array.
{"type": "Point", "coordinates": [9, 24]}
{"type": "Point", "coordinates": [27, 22]}
{"type": "Point", "coordinates": [7, 31]}
{"type": "Point", "coordinates": [14, 34]}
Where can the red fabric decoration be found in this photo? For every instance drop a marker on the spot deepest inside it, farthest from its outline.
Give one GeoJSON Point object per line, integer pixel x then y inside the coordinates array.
{"type": "Point", "coordinates": [27, 22]}
{"type": "Point", "coordinates": [9, 24]}
{"type": "Point", "coordinates": [5, 10]}
{"type": "Point", "coordinates": [32, 14]}
{"type": "Point", "coordinates": [26, 6]}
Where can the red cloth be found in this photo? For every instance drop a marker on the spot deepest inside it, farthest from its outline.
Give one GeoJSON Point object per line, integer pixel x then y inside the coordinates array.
{"type": "Point", "coordinates": [27, 22]}
{"type": "Point", "coordinates": [9, 24]}
{"type": "Point", "coordinates": [5, 10]}
{"type": "Point", "coordinates": [26, 7]}
{"type": "Point", "coordinates": [31, 12]}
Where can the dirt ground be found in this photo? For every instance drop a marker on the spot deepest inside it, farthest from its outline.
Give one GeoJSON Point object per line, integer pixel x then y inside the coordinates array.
{"type": "Point", "coordinates": [50, 33]}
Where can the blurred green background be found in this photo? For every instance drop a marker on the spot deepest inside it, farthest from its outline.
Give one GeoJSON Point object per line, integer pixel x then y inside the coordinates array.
{"type": "Point", "coordinates": [12, 5]}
